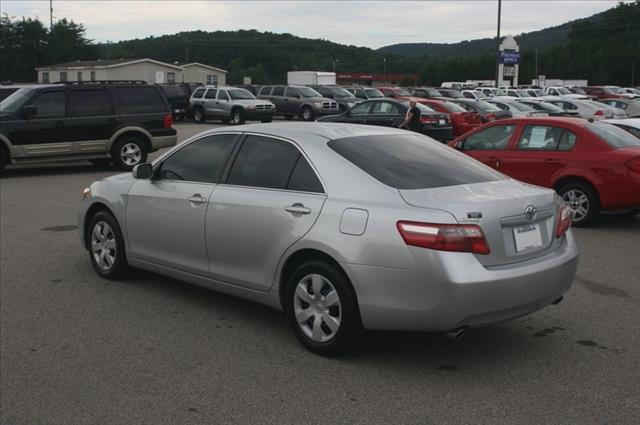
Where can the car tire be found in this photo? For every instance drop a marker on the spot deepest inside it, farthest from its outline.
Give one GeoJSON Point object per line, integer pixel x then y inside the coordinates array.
{"type": "Point", "coordinates": [199, 116]}
{"type": "Point", "coordinates": [106, 246]}
{"type": "Point", "coordinates": [307, 114]}
{"type": "Point", "coordinates": [128, 151]}
{"type": "Point", "coordinates": [237, 116]}
{"type": "Point", "coordinates": [583, 200]}
{"type": "Point", "coordinates": [321, 308]}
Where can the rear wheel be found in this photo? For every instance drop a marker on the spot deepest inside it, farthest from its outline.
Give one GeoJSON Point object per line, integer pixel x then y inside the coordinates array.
{"type": "Point", "coordinates": [321, 308]}
{"type": "Point", "coordinates": [583, 200]}
{"type": "Point", "coordinates": [128, 152]}
{"type": "Point", "coordinates": [106, 246]}
{"type": "Point", "coordinates": [199, 115]}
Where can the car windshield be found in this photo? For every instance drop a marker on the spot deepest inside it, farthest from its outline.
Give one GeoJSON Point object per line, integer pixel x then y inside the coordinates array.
{"type": "Point", "coordinates": [239, 94]}
{"type": "Point", "coordinates": [549, 107]}
{"type": "Point", "coordinates": [614, 136]}
{"type": "Point", "coordinates": [539, 92]}
{"type": "Point", "coordinates": [15, 100]}
{"type": "Point", "coordinates": [423, 108]}
{"type": "Point", "coordinates": [454, 94]}
{"type": "Point", "coordinates": [521, 107]}
{"type": "Point", "coordinates": [340, 92]}
{"type": "Point", "coordinates": [563, 90]}
{"type": "Point", "coordinates": [173, 91]}
{"type": "Point", "coordinates": [487, 107]}
{"type": "Point", "coordinates": [402, 92]}
{"type": "Point", "coordinates": [373, 93]}
{"type": "Point", "coordinates": [308, 92]}
{"type": "Point", "coordinates": [433, 93]}
{"type": "Point", "coordinates": [578, 90]}
{"type": "Point", "coordinates": [499, 92]}
{"type": "Point", "coordinates": [452, 107]}
{"type": "Point", "coordinates": [412, 161]}
{"type": "Point", "coordinates": [523, 93]}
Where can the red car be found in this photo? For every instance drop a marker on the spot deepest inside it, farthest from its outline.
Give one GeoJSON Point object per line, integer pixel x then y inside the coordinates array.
{"type": "Point", "coordinates": [462, 120]}
{"type": "Point", "coordinates": [592, 165]}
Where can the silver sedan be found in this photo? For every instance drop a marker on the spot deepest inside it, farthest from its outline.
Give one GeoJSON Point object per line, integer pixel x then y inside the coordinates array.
{"type": "Point", "coordinates": [343, 227]}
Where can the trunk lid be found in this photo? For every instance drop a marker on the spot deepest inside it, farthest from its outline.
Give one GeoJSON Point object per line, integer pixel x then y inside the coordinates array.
{"type": "Point", "coordinates": [503, 209]}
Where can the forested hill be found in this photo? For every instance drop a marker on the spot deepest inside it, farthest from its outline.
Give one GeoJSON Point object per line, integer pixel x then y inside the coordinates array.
{"type": "Point", "coordinates": [543, 39]}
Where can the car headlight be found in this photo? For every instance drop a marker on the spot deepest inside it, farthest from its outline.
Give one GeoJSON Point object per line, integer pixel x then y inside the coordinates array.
{"type": "Point", "coordinates": [350, 105]}
{"type": "Point", "coordinates": [86, 193]}
{"type": "Point", "coordinates": [250, 107]}
{"type": "Point", "coordinates": [318, 104]}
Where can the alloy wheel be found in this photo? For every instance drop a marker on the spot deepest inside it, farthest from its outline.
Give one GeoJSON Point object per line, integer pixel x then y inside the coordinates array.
{"type": "Point", "coordinates": [579, 203]}
{"type": "Point", "coordinates": [131, 154]}
{"type": "Point", "coordinates": [103, 245]}
{"type": "Point", "coordinates": [236, 117]}
{"type": "Point", "coordinates": [306, 114]}
{"type": "Point", "coordinates": [317, 308]}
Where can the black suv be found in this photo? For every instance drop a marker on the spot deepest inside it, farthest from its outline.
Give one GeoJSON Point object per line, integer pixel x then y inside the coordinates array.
{"type": "Point", "coordinates": [345, 98]}
{"type": "Point", "coordinates": [178, 100]}
{"type": "Point", "coordinates": [102, 122]}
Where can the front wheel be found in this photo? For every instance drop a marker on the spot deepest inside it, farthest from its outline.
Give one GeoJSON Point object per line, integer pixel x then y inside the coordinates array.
{"type": "Point", "coordinates": [306, 114]}
{"type": "Point", "coordinates": [321, 308]}
{"type": "Point", "coordinates": [106, 246]}
{"type": "Point", "coordinates": [237, 116]}
{"type": "Point", "coordinates": [583, 200]}
{"type": "Point", "coordinates": [128, 152]}
{"type": "Point", "coordinates": [199, 116]}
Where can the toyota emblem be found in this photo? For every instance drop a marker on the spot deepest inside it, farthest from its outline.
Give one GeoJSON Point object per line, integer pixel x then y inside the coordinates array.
{"type": "Point", "coordinates": [530, 212]}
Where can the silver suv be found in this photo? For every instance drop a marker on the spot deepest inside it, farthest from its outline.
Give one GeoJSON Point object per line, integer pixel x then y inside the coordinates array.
{"type": "Point", "coordinates": [229, 104]}
{"type": "Point", "coordinates": [300, 101]}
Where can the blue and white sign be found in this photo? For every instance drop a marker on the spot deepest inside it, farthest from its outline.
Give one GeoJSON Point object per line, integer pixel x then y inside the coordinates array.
{"type": "Point", "coordinates": [509, 57]}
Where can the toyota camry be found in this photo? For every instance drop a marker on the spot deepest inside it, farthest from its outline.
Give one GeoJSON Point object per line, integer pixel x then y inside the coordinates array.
{"type": "Point", "coordinates": [343, 227]}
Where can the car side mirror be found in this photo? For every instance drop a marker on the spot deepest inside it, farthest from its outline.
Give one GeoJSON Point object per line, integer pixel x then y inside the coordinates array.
{"type": "Point", "coordinates": [29, 110]}
{"type": "Point", "coordinates": [143, 171]}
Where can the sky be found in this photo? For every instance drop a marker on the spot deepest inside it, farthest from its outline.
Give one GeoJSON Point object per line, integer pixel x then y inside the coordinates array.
{"type": "Point", "coordinates": [362, 23]}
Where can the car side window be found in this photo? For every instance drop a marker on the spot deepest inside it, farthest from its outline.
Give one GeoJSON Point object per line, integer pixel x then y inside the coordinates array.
{"type": "Point", "coordinates": [384, 108]}
{"type": "Point", "coordinates": [278, 91]}
{"type": "Point", "coordinates": [360, 109]}
{"type": "Point", "coordinates": [51, 104]}
{"type": "Point", "coordinates": [265, 91]}
{"type": "Point", "coordinates": [292, 92]}
{"type": "Point", "coordinates": [198, 94]}
{"type": "Point", "coordinates": [501, 106]}
{"type": "Point", "coordinates": [303, 178]}
{"type": "Point", "coordinates": [263, 162]}
{"type": "Point", "coordinates": [490, 139]}
{"type": "Point", "coordinates": [223, 95]}
{"type": "Point", "coordinates": [90, 103]}
{"type": "Point", "coordinates": [540, 137]}
{"type": "Point", "coordinates": [211, 94]}
{"type": "Point", "coordinates": [567, 141]}
{"type": "Point", "coordinates": [200, 161]}
{"type": "Point", "coordinates": [360, 93]}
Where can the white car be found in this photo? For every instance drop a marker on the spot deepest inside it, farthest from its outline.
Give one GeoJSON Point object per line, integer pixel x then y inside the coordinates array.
{"type": "Point", "coordinates": [564, 92]}
{"type": "Point", "coordinates": [632, 125]}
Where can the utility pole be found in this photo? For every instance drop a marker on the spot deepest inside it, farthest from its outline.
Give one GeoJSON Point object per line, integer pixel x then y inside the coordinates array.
{"type": "Point", "coordinates": [498, 45]}
{"type": "Point", "coordinates": [384, 61]}
{"type": "Point", "coordinates": [537, 82]}
{"type": "Point", "coordinates": [50, 15]}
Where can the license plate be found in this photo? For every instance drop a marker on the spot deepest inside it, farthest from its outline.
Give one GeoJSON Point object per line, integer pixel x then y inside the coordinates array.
{"type": "Point", "coordinates": [441, 122]}
{"type": "Point", "coordinates": [527, 236]}
{"type": "Point", "coordinates": [178, 111]}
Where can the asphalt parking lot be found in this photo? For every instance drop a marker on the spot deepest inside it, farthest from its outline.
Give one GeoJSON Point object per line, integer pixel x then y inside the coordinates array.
{"type": "Point", "coordinates": [76, 349]}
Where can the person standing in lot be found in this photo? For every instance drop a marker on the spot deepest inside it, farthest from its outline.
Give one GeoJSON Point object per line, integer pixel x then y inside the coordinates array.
{"type": "Point", "coordinates": [412, 119]}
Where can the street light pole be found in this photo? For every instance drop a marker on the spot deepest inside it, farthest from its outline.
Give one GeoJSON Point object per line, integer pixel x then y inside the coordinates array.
{"type": "Point", "coordinates": [384, 61]}
{"type": "Point", "coordinates": [498, 46]}
{"type": "Point", "coordinates": [50, 15]}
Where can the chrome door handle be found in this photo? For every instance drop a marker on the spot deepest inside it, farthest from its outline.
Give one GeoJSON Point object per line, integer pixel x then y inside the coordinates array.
{"type": "Point", "coordinates": [298, 209]}
{"type": "Point", "coordinates": [196, 199]}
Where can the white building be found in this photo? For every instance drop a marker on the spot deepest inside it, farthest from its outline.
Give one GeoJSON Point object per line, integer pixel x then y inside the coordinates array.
{"type": "Point", "coordinates": [149, 70]}
{"type": "Point", "coordinates": [196, 72]}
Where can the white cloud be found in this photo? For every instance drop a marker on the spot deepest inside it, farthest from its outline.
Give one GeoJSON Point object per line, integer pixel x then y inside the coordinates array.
{"type": "Point", "coordinates": [363, 23]}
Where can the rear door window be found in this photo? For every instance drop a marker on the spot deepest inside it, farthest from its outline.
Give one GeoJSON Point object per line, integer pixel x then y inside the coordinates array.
{"type": "Point", "coordinates": [384, 108]}
{"type": "Point", "coordinates": [223, 95]}
{"type": "Point", "coordinates": [211, 94]}
{"type": "Point", "coordinates": [265, 91]}
{"type": "Point", "coordinates": [409, 161]}
{"type": "Point", "coordinates": [200, 161]}
{"type": "Point", "coordinates": [140, 100]}
{"type": "Point", "coordinates": [198, 93]}
{"type": "Point", "coordinates": [545, 138]}
{"type": "Point", "coordinates": [303, 178]}
{"type": "Point", "coordinates": [490, 139]}
{"type": "Point", "coordinates": [360, 109]}
{"type": "Point", "coordinates": [292, 92]}
{"type": "Point", "coordinates": [87, 103]}
{"type": "Point", "coordinates": [278, 91]}
{"type": "Point", "coordinates": [264, 162]}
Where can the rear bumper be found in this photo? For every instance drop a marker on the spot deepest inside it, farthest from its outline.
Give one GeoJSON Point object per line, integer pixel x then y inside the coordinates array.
{"type": "Point", "coordinates": [159, 142]}
{"type": "Point", "coordinates": [443, 134]}
{"type": "Point", "coordinates": [447, 290]}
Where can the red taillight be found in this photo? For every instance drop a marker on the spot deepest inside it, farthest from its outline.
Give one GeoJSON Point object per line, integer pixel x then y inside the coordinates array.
{"type": "Point", "coordinates": [599, 113]}
{"type": "Point", "coordinates": [428, 120]}
{"type": "Point", "coordinates": [444, 237]}
{"type": "Point", "coordinates": [633, 165]}
{"type": "Point", "coordinates": [167, 121]}
{"type": "Point", "coordinates": [564, 220]}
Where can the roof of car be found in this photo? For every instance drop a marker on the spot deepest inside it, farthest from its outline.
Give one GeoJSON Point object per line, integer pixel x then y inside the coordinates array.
{"type": "Point", "coordinates": [297, 130]}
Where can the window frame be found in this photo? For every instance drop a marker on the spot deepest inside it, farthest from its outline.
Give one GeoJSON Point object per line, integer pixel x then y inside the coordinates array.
{"type": "Point", "coordinates": [224, 178]}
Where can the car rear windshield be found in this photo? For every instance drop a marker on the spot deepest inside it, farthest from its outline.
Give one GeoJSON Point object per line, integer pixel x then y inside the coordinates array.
{"type": "Point", "coordinates": [373, 93]}
{"type": "Point", "coordinates": [452, 107]}
{"type": "Point", "coordinates": [241, 94]}
{"type": "Point", "coordinates": [408, 161]}
{"type": "Point", "coordinates": [141, 100]}
{"type": "Point", "coordinates": [614, 136]}
{"type": "Point", "coordinates": [173, 91]}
